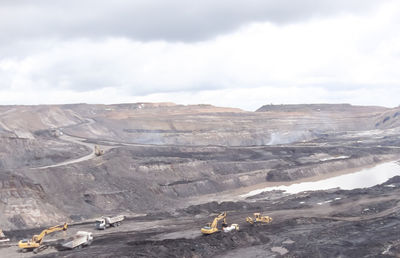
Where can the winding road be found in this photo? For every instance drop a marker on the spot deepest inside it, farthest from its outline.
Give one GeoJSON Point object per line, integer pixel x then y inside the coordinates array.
{"type": "Point", "coordinates": [81, 141]}
{"type": "Point", "coordinates": [69, 162]}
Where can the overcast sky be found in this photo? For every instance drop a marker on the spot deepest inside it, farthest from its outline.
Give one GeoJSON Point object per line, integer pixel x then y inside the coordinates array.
{"type": "Point", "coordinates": [227, 53]}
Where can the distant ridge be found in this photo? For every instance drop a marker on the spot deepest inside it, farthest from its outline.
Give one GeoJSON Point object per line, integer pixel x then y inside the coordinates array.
{"type": "Point", "coordinates": [317, 107]}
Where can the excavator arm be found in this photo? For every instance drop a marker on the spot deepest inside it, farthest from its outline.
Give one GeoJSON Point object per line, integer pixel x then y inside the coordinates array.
{"type": "Point", "coordinates": [213, 227]}
{"type": "Point", "coordinates": [39, 238]}
{"type": "Point", "coordinates": [218, 218]}
{"type": "Point", "coordinates": [36, 240]}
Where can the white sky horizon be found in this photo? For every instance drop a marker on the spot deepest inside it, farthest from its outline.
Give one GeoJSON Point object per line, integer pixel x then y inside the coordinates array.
{"type": "Point", "coordinates": [227, 53]}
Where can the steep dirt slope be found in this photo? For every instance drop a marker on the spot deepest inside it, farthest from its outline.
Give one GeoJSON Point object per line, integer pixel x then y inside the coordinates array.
{"type": "Point", "coordinates": [162, 154]}
{"type": "Point", "coordinates": [167, 123]}
{"type": "Point", "coordinates": [41, 151]}
{"type": "Point", "coordinates": [29, 138]}
{"type": "Point", "coordinates": [23, 121]}
{"type": "Point", "coordinates": [24, 203]}
{"type": "Point", "coordinates": [339, 117]}
{"type": "Point", "coordinates": [388, 119]}
{"type": "Point", "coordinates": [208, 125]}
{"type": "Point", "coordinates": [146, 179]}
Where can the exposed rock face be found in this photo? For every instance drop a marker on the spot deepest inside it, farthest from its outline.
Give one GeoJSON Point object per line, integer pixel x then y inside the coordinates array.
{"type": "Point", "coordinates": [24, 120]}
{"type": "Point", "coordinates": [22, 152]}
{"type": "Point", "coordinates": [24, 203]}
{"type": "Point", "coordinates": [157, 155]}
{"type": "Point", "coordinates": [303, 171]}
{"type": "Point", "coordinates": [388, 119]}
{"type": "Point", "coordinates": [166, 123]}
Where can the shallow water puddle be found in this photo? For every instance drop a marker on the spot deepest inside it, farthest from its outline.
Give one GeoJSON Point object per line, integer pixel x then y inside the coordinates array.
{"type": "Point", "coordinates": [361, 179]}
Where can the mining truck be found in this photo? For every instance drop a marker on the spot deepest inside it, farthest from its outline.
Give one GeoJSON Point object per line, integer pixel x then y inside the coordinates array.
{"type": "Point", "coordinates": [232, 227]}
{"type": "Point", "coordinates": [98, 151]}
{"type": "Point", "coordinates": [81, 239]}
{"type": "Point", "coordinates": [3, 238]}
{"type": "Point", "coordinates": [105, 222]}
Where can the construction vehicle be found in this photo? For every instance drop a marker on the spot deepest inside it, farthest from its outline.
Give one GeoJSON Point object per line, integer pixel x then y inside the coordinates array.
{"type": "Point", "coordinates": [3, 238]}
{"type": "Point", "coordinates": [81, 239]}
{"type": "Point", "coordinates": [231, 228]}
{"type": "Point", "coordinates": [211, 228]}
{"type": "Point", "coordinates": [35, 244]}
{"type": "Point", "coordinates": [105, 222]}
{"type": "Point", "coordinates": [98, 151]}
{"type": "Point", "coordinates": [258, 218]}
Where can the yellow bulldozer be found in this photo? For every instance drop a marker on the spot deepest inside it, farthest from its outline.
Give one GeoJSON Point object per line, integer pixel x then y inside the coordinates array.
{"type": "Point", "coordinates": [35, 244]}
{"type": "Point", "coordinates": [211, 228]}
{"type": "Point", "coordinates": [258, 218]}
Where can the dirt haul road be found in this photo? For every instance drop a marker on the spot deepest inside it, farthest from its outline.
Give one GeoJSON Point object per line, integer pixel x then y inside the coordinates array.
{"type": "Point", "coordinates": [81, 141]}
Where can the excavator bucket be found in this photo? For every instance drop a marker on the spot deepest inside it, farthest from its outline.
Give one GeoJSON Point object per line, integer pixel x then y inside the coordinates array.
{"type": "Point", "coordinates": [213, 227]}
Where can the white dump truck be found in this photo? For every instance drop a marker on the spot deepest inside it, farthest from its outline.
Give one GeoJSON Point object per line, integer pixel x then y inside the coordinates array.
{"type": "Point", "coordinates": [81, 239]}
{"type": "Point", "coordinates": [3, 238]}
{"type": "Point", "coordinates": [231, 228]}
{"type": "Point", "coordinates": [105, 222]}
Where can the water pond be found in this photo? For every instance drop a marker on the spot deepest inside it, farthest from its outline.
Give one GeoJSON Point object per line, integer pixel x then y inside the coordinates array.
{"type": "Point", "coordinates": [364, 178]}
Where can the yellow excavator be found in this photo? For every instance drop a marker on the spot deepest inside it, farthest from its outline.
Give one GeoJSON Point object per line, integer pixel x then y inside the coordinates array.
{"type": "Point", "coordinates": [211, 228]}
{"type": "Point", "coordinates": [259, 218]}
{"type": "Point", "coordinates": [35, 244]}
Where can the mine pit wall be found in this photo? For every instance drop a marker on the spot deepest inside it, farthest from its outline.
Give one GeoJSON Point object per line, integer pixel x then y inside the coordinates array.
{"type": "Point", "coordinates": [332, 166]}
{"type": "Point", "coordinates": [227, 182]}
{"type": "Point", "coordinates": [24, 203]}
{"type": "Point", "coordinates": [220, 137]}
{"type": "Point", "coordinates": [199, 125]}
{"type": "Point", "coordinates": [96, 187]}
{"type": "Point", "coordinates": [19, 152]}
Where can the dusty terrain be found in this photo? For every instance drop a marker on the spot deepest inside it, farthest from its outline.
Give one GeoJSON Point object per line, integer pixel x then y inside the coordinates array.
{"type": "Point", "coordinates": [355, 223]}
{"type": "Point", "coordinates": [165, 164]}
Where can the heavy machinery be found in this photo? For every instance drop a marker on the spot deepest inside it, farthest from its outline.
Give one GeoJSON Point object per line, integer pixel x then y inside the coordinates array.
{"type": "Point", "coordinates": [231, 228]}
{"type": "Point", "coordinates": [81, 239]}
{"type": "Point", "coordinates": [105, 222]}
{"type": "Point", "coordinates": [258, 218]}
{"type": "Point", "coordinates": [211, 228]}
{"type": "Point", "coordinates": [98, 151]}
{"type": "Point", "coordinates": [35, 244]}
{"type": "Point", "coordinates": [3, 238]}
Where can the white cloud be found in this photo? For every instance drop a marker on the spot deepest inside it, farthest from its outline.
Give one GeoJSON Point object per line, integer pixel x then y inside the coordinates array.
{"type": "Point", "coordinates": [33, 97]}
{"type": "Point", "coordinates": [345, 58]}
{"type": "Point", "coordinates": [171, 20]}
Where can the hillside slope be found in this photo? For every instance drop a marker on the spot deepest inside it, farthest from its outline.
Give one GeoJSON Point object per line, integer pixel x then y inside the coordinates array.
{"type": "Point", "coordinates": [163, 156]}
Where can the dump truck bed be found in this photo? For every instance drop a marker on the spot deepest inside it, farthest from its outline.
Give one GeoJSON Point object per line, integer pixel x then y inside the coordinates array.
{"type": "Point", "coordinates": [81, 238]}
{"type": "Point", "coordinates": [116, 219]}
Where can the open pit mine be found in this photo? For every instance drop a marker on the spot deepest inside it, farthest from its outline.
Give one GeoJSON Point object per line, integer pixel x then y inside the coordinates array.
{"type": "Point", "coordinates": [167, 180]}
